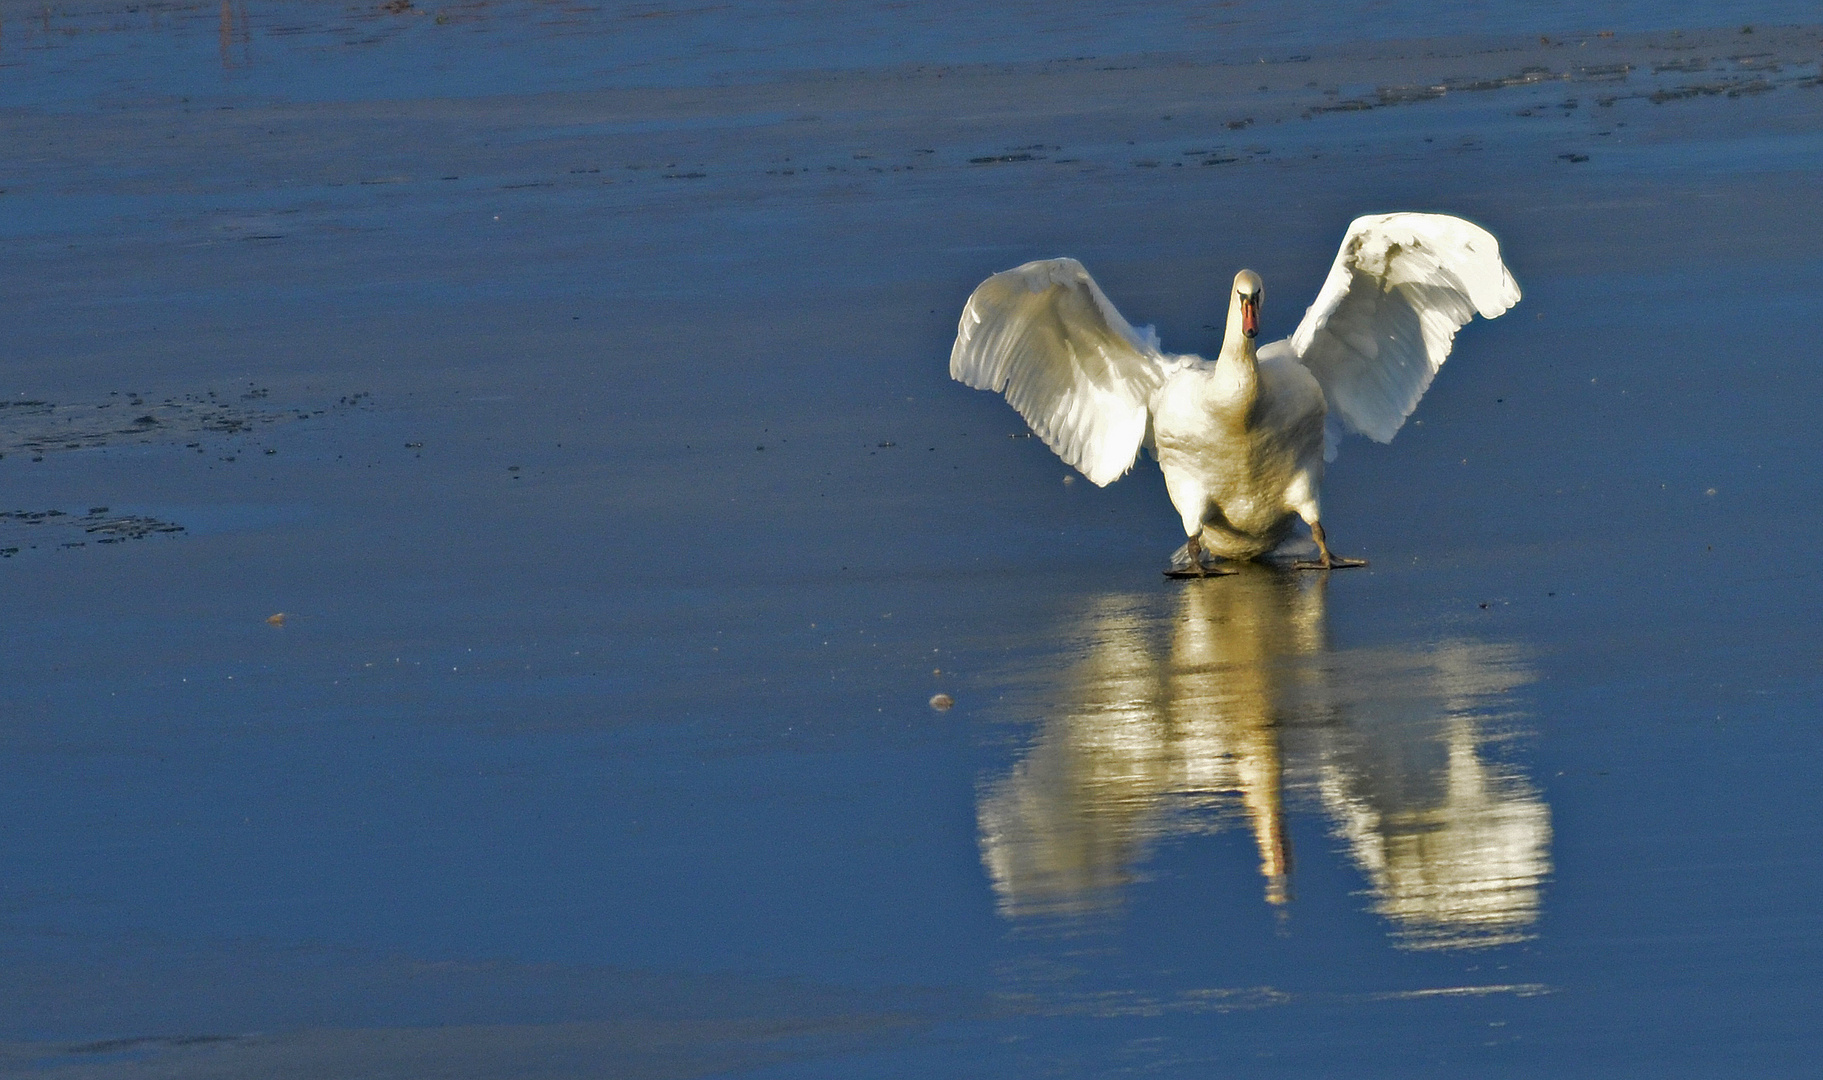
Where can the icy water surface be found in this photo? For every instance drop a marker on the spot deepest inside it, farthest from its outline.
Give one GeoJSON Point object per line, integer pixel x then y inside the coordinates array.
{"type": "Point", "coordinates": [572, 381]}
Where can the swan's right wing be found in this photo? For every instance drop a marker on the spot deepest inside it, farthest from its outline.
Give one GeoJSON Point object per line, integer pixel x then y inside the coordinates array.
{"type": "Point", "coordinates": [1044, 334]}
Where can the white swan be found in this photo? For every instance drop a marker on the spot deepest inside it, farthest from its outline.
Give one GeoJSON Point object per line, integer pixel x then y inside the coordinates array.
{"type": "Point", "coordinates": [1241, 441]}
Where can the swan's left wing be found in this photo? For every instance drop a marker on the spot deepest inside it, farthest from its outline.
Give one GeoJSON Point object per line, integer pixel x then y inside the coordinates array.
{"type": "Point", "coordinates": [1044, 334]}
{"type": "Point", "coordinates": [1381, 327]}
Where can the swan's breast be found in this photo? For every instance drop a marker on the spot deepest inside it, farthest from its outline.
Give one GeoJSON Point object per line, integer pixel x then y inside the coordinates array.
{"type": "Point", "coordinates": [1199, 423]}
{"type": "Point", "coordinates": [1291, 407]}
{"type": "Point", "coordinates": [1241, 457]}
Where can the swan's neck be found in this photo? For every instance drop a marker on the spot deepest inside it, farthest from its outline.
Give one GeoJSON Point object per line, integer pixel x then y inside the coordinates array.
{"type": "Point", "coordinates": [1237, 367]}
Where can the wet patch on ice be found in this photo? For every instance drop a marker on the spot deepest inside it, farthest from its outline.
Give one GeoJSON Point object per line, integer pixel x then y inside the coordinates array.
{"type": "Point", "coordinates": [36, 428]}
{"type": "Point", "coordinates": [47, 530]}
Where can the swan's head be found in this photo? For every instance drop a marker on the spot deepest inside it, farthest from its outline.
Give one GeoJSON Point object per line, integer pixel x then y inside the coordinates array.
{"type": "Point", "coordinates": [1247, 294]}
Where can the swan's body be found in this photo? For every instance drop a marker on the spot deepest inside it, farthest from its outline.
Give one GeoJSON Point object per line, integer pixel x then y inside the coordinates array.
{"type": "Point", "coordinates": [1236, 463]}
{"type": "Point", "coordinates": [1241, 440]}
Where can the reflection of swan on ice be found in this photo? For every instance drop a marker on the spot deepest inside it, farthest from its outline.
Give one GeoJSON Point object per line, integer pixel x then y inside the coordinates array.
{"type": "Point", "coordinates": [1190, 719]}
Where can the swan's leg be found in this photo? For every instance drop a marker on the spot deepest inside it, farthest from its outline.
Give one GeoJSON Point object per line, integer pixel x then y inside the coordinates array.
{"type": "Point", "coordinates": [1302, 496]}
{"type": "Point", "coordinates": [1194, 547]}
{"type": "Point", "coordinates": [1326, 561]}
{"type": "Point", "coordinates": [1192, 503]}
{"type": "Point", "coordinates": [1196, 567]}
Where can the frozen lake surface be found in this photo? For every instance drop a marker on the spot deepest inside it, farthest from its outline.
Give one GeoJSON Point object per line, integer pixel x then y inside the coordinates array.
{"type": "Point", "coordinates": [574, 381]}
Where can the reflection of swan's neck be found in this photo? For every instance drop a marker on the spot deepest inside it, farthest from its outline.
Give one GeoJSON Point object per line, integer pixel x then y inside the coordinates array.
{"type": "Point", "coordinates": [1259, 769]}
{"type": "Point", "coordinates": [1263, 794]}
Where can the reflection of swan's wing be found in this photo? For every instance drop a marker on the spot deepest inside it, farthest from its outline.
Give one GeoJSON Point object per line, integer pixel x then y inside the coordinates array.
{"type": "Point", "coordinates": [1062, 831]}
{"type": "Point", "coordinates": [1466, 872]}
{"type": "Point", "coordinates": [1077, 372]}
{"type": "Point", "coordinates": [1381, 327]}
{"type": "Point", "coordinates": [1455, 845]}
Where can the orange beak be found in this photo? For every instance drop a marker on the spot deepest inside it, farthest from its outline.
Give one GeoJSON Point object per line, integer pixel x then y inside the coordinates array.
{"type": "Point", "coordinates": [1250, 315]}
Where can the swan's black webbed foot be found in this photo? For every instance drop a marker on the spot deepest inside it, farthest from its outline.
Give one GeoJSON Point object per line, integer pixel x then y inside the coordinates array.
{"type": "Point", "coordinates": [1336, 562]}
{"type": "Point", "coordinates": [1196, 567]}
{"type": "Point", "coordinates": [1325, 560]}
{"type": "Point", "coordinates": [1205, 570]}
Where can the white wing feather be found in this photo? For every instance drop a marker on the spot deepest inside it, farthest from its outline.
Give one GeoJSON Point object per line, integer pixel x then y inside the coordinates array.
{"type": "Point", "coordinates": [1080, 375]}
{"type": "Point", "coordinates": [1382, 326]}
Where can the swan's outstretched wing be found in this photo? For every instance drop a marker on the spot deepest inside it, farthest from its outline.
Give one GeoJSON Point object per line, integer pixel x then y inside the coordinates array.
{"type": "Point", "coordinates": [1077, 372]}
{"type": "Point", "coordinates": [1401, 287]}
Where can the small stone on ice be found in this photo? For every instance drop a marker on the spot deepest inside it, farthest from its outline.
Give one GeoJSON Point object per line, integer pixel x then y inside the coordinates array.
{"type": "Point", "coordinates": [942, 702]}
